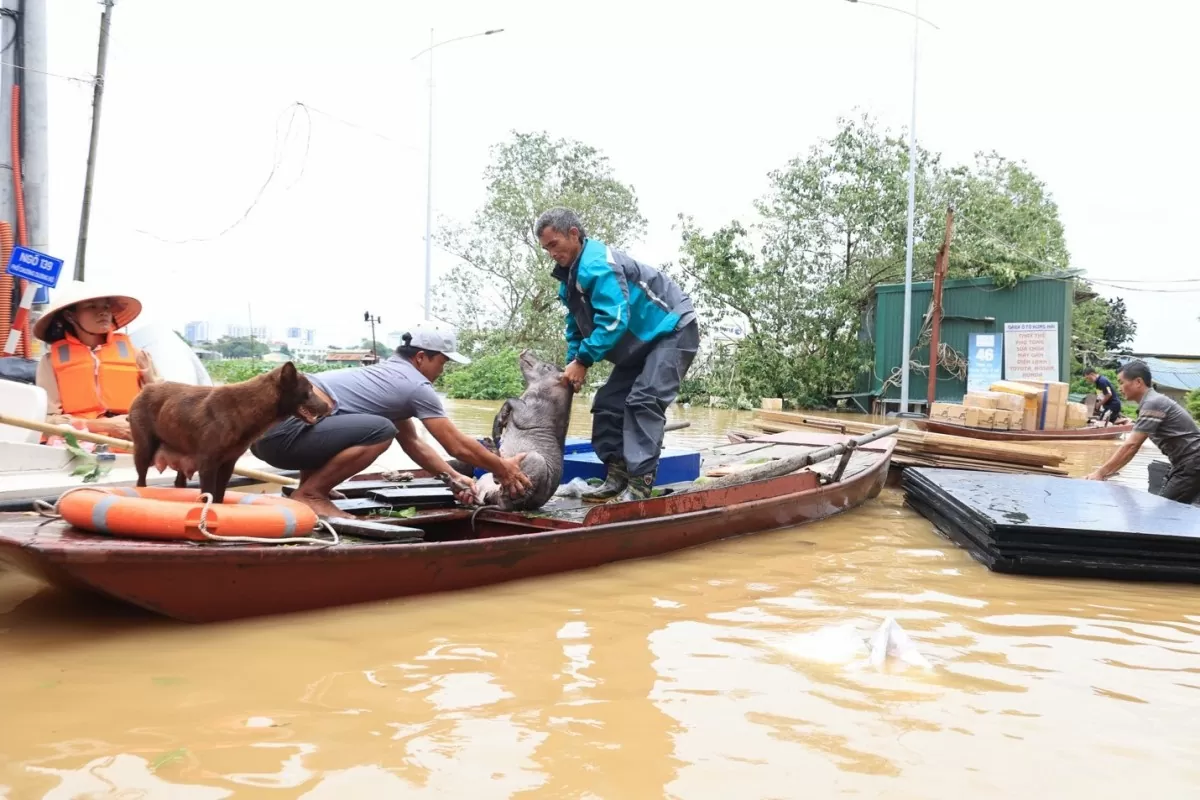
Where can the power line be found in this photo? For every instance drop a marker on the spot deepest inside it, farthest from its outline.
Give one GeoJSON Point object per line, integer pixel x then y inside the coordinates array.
{"type": "Point", "coordinates": [276, 162]}
{"type": "Point", "coordinates": [1097, 281]}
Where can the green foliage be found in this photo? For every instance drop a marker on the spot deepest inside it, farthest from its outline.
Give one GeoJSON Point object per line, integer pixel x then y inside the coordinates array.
{"type": "Point", "coordinates": [495, 376]}
{"type": "Point", "coordinates": [89, 466]}
{"type": "Point", "coordinates": [1192, 403]}
{"type": "Point", "coordinates": [1099, 326]}
{"type": "Point", "coordinates": [833, 226]}
{"type": "Point", "coordinates": [381, 349]}
{"type": "Point", "coordinates": [240, 347]}
{"type": "Point", "coordinates": [502, 295]}
{"type": "Point", "coordinates": [238, 370]}
{"type": "Point", "coordinates": [1007, 226]}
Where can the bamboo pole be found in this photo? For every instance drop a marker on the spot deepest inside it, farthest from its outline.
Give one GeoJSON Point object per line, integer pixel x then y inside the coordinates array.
{"type": "Point", "coordinates": [98, 438]}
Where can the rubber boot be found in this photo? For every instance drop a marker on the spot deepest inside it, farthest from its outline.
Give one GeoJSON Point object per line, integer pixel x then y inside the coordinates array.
{"type": "Point", "coordinates": [640, 487]}
{"type": "Point", "coordinates": [615, 481]}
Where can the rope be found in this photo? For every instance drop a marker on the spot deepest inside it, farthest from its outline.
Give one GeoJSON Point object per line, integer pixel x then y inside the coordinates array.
{"type": "Point", "coordinates": [203, 528]}
{"type": "Point", "coordinates": [47, 510]}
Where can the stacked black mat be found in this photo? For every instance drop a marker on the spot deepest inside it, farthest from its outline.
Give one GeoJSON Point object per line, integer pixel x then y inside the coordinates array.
{"type": "Point", "coordinates": [1035, 525]}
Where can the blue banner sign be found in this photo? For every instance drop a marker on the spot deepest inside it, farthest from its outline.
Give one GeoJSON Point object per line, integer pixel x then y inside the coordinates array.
{"type": "Point", "coordinates": [984, 361]}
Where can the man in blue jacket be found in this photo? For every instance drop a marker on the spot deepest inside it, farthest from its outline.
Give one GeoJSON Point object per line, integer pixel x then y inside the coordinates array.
{"type": "Point", "coordinates": [639, 319]}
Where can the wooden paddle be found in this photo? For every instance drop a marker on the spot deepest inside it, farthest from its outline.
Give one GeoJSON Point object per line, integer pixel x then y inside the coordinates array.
{"type": "Point", "coordinates": [97, 438]}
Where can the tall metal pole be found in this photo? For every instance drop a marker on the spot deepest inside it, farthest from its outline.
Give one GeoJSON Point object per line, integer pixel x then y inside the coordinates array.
{"type": "Point", "coordinates": [429, 194]}
{"type": "Point", "coordinates": [429, 166]}
{"type": "Point", "coordinates": [97, 96]}
{"type": "Point", "coordinates": [906, 347]}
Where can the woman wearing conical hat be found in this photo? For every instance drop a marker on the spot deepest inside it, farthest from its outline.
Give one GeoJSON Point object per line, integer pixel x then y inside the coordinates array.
{"type": "Point", "coordinates": [90, 371]}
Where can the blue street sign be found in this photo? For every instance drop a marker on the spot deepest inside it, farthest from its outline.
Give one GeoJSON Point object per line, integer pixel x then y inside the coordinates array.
{"type": "Point", "coordinates": [35, 267]}
{"type": "Point", "coordinates": [42, 297]}
{"type": "Point", "coordinates": [984, 361]}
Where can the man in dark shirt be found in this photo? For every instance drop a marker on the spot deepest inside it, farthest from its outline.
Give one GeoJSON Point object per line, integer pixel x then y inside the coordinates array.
{"type": "Point", "coordinates": [1171, 429]}
{"type": "Point", "coordinates": [1110, 401]}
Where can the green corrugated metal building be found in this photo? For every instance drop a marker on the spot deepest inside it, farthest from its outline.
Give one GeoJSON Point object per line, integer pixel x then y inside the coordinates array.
{"type": "Point", "coordinates": [974, 305]}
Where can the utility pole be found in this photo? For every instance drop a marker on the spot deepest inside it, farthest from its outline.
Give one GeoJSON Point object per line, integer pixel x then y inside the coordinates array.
{"type": "Point", "coordinates": [97, 97]}
{"type": "Point", "coordinates": [374, 347]}
{"type": "Point", "coordinates": [941, 266]}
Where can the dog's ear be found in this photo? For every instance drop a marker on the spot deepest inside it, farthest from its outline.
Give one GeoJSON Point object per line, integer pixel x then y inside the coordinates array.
{"type": "Point", "coordinates": [288, 376]}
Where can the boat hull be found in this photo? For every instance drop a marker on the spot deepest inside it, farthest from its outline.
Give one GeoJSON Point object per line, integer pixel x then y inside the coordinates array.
{"type": "Point", "coordinates": [1073, 435]}
{"type": "Point", "coordinates": [214, 583]}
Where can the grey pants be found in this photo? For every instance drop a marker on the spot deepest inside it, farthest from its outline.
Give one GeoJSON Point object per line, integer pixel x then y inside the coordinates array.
{"type": "Point", "coordinates": [630, 410]}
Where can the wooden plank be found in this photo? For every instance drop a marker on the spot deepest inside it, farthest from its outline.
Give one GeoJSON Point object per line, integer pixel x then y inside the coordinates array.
{"type": "Point", "coordinates": [919, 448]}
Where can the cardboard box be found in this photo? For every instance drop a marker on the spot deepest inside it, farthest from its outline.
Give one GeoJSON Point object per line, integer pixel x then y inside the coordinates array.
{"type": "Point", "coordinates": [1077, 415]}
{"type": "Point", "coordinates": [1003, 420]}
{"type": "Point", "coordinates": [981, 417]}
{"type": "Point", "coordinates": [983, 399]}
{"type": "Point", "coordinates": [949, 412]}
{"type": "Point", "coordinates": [1052, 413]}
{"type": "Point", "coordinates": [1030, 399]}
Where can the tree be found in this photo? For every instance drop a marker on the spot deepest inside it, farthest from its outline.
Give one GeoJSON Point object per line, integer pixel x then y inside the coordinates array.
{"type": "Point", "coordinates": [1119, 328]}
{"type": "Point", "coordinates": [240, 347]}
{"type": "Point", "coordinates": [502, 294]}
{"type": "Point", "coordinates": [832, 227]}
{"type": "Point", "coordinates": [381, 350]}
{"type": "Point", "coordinates": [1006, 223]}
{"type": "Point", "coordinates": [285, 350]}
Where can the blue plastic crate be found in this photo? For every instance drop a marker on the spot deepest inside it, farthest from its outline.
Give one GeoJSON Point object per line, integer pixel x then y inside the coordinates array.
{"type": "Point", "coordinates": [674, 466]}
{"type": "Point", "coordinates": [579, 461]}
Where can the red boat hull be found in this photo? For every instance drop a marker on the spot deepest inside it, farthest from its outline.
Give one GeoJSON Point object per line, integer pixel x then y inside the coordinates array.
{"type": "Point", "coordinates": [212, 583]}
{"type": "Point", "coordinates": [1073, 435]}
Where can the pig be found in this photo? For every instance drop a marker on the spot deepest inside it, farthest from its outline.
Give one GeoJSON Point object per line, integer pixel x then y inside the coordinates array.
{"type": "Point", "coordinates": [534, 424]}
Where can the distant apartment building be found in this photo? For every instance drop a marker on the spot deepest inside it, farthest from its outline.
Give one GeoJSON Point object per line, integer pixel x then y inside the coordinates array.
{"type": "Point", "coordinates": [245, 331]}
{"type": "Point", "coordinates": [196, 332]}
{"type": "Point", "coordinates": [301, 336]}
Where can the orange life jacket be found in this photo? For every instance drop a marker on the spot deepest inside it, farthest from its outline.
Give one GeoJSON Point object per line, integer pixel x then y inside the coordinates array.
{"type": "Point", "coordinates": [91, 382]}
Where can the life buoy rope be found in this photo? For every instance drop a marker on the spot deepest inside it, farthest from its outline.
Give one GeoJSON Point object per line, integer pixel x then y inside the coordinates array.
{"type": "Point", "coordinates": [242, 509]}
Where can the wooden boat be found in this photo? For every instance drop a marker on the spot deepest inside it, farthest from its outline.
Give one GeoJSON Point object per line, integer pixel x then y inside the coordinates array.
{"type": "Point", "coordinates": [1071, 435]}
{"type": "Point", "coordinates": [457, 548]}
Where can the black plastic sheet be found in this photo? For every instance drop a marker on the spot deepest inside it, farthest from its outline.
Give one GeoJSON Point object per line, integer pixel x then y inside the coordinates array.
{"type": "Point", "coordinates": [1036, 525]}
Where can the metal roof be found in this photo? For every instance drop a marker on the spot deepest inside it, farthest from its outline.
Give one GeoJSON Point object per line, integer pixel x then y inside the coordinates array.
{"type": "Point", "coordinates": [1183, 376]}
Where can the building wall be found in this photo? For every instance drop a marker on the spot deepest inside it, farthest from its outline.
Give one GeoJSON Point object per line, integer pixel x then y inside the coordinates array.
{"type": "Point", "coordinates": [964, 305]}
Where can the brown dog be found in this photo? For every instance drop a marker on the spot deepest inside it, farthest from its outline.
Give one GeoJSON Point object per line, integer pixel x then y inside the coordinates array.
{"type": "Point", "coordinates": [207, 428]}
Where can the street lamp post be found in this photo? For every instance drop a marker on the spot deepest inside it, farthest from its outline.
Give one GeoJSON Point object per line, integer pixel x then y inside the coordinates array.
{"type": "Point", "coordinates": [906, 338]}
{"type": "Point", "coordinates": [429, 165]}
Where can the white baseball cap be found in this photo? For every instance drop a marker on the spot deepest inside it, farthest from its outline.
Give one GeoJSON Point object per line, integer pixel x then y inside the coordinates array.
{"type": "Point", "coordinates": [429, 336]}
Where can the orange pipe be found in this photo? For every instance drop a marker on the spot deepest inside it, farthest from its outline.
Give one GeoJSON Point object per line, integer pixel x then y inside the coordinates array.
{"type": "Point", "coordinates": [19, 191]}
{"type": "Point", "coordinates": [6, 282]}
{"type": "Point", "coordinates": [152, 512]}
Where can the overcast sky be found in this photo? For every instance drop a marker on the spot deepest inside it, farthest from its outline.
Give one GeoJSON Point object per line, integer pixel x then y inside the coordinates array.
{"type": "Point", "coordinates": [693, 108]}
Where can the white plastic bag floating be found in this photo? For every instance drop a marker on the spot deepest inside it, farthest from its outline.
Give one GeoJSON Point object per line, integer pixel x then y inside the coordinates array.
{"type": "Point", "coordinates": [892, 640]}
{"type": "Point", "coordinates": [846, 644]}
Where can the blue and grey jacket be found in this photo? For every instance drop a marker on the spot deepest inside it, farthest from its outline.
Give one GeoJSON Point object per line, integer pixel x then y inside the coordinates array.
{"type": "Point", "coordinates": [616, 306]}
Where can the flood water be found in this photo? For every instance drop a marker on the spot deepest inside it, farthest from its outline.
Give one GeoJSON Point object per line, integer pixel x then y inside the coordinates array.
{"type": "Point", "coordinates": [728, 671]}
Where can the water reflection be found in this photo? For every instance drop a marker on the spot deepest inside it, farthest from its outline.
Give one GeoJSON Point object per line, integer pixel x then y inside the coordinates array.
{"type": "Point", "coordinates": [726, 671]}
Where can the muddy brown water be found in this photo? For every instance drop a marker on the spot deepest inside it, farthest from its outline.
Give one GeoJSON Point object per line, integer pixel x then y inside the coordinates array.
{"type": "Point", "coordinates": [728, 671]}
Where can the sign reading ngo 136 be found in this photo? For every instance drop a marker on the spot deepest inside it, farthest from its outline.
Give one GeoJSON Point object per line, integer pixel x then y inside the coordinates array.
{"type": "Point", "coordinates": [35, 267]}
{"type": "Point", "coordinates": [1031, 351]}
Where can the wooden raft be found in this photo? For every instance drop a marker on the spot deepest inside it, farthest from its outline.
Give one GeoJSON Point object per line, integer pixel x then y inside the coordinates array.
{"type": "Point", "coordinates": [919, 449]}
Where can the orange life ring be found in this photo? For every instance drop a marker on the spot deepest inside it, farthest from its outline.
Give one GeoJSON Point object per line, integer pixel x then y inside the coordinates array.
{"type": "Point", "coordinates": [153, 512]}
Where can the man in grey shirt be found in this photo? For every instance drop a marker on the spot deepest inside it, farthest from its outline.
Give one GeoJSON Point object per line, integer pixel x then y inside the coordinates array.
{"type": "Point", "coordinates": [371, 405]}
{"type": "Point", "coordinates": [1168, 425]}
